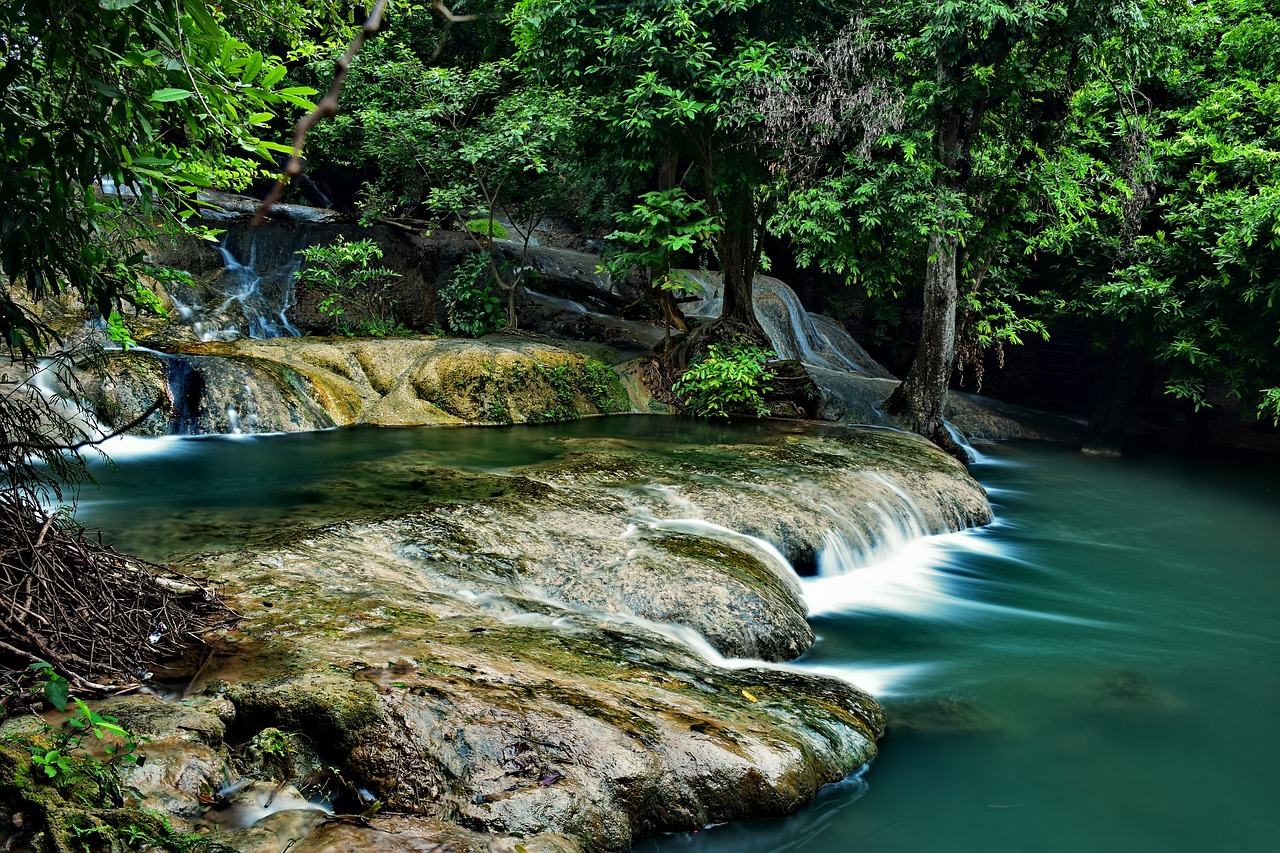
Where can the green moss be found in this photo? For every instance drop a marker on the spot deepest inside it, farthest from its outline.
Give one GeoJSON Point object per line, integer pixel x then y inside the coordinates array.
{"type": "Point", "coordinates": [333, 709]}
{"type": "Point", "coordinates": [604, 388]}
{"type": "Point", "coordinates": [752, 573]}
{"type": "Point", "coordinates": [82, 813]}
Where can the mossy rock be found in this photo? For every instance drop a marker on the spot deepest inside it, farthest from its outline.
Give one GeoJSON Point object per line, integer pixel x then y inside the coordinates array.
{"type": "Point", "coordinates": [332, 709]}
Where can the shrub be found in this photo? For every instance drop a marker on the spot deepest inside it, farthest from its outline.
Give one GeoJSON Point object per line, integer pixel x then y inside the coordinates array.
{"type": "Point", "coordinates": [344, 272]}
{"type": "Point", "coordinates": [730, 379]}
{"type": "Point", "coordinates": [474, 306]}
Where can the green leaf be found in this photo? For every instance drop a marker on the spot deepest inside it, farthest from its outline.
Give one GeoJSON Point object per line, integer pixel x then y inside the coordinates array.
{"type": "Point", "coordinates": [57, 690]}
{"type": "Point", "coordinates": [251, 69]}
{"type": "Point", "coordinates": [167, 95]}
{"type": "Point", "coordinates": [274, 76]}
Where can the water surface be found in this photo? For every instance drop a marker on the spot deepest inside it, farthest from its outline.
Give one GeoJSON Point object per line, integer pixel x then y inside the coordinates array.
{"type": "Point", "coordinates": [1099, 670]}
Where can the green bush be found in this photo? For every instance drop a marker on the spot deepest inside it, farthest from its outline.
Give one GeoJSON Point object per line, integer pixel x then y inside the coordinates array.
{"type": "Point", "coordinates": [731, 379]}
{"type": "Point", "coordinates": [472, 301]}
{"type": "Point", "coordinates": [343, 271]}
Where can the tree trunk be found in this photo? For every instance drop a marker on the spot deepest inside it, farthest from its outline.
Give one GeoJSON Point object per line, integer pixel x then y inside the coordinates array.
{"type": "Point", "coordinates": [672, 317]}
{"type": "Point", "coordinates": [739, 256]}
{"type": "Point", "coordinates": [922, 396]}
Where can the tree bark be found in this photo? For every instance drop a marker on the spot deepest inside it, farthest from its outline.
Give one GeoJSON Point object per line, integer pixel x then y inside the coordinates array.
{"type": "Point", "coordinates": [672, 316]}
{"type": "Point", "coordinates": [922, 396]}
{"type": "Point", "coordinates": [739, 256]}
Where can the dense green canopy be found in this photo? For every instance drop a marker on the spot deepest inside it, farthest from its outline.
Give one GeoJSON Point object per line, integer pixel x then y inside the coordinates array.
{"type": "Point", "coordinates": [1033, 162]}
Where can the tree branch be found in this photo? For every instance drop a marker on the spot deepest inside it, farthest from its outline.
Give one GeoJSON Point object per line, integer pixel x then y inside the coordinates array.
{"type": "Point", "coordinates": [89, 441]}
{"type": "Point", "coordinates": [326, 108]}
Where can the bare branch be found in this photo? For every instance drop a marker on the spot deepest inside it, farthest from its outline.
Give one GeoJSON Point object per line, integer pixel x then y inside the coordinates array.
{"type": "Point", "coordinates": [450, 16]}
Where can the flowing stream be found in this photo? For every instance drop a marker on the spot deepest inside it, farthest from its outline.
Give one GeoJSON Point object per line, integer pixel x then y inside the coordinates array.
{"type": "Point", "coordinates": [1098, 670]}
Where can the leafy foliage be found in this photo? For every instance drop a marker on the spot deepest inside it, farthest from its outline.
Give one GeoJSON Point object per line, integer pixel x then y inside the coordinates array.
{"type": "Point", "coordinates": [668, 79]}
{"type": "Point", "coordinates": [1177, 178]}
{"type": "Point", "coordinates": [342, 271]}
{"type": "Point", "coordinates": [65, 755]}
{"type": "Point", "coordinates": [730, 379]}
{"type": "Point", "coordinates": [473, 305]}
{"type": "Point", "coordinates": [112, 115]}
{"type": "Point", "coordinates": [664, 227]}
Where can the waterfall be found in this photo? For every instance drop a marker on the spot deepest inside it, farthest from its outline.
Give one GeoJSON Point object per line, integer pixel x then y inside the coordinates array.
{"type": "Point", "coordinates": [251, 296]}
{"type": "Point", "coordinates": [186, 390]}
{"type": "Point", "coordinates": [812, 339]}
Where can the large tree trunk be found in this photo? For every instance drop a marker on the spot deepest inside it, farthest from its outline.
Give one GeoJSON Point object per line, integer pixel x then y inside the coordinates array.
{"type": "Point", "coordinates": [739, 256]}
{"type": "Point", "coordinates": [922, 396]}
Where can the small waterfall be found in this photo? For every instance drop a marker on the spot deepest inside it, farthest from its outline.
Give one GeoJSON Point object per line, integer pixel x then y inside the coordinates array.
{"type": "Point", "coordinates": [250, 298]}
{"type": "Point", "coordinates": [812, 339]}
{"type": "Point", "coordinates": [211, 395]}
{"type": "Point", "coordinates": [186, 390]}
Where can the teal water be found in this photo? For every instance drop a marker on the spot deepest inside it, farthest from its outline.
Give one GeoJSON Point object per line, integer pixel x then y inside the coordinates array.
{"type": "Point", "coordinates": [1099, 670]}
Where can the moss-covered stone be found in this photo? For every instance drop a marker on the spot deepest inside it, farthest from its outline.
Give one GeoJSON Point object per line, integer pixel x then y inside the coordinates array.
{"type": "Point", "coordinates": [336, 710]}
{"type": "Point", "coordinates": [293, 384]}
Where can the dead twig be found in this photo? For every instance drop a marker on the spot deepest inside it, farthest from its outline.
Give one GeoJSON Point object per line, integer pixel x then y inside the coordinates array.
{"type": "Point", "coordinates": [89, 611]}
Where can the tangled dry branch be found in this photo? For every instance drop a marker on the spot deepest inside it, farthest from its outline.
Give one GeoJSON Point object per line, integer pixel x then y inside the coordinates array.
{"type": "Point", "coordinates": [92, 613]}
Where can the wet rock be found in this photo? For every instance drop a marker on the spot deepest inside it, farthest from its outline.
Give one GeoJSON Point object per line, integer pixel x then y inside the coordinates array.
{"type": "Point", "coordinates": [181, 753]}
{"type": "Point", "coordinates": [941, 715]}
{"type": "Point", "coordinates": [305, 832]}
{"type": "Point", "coordinates": [1132, 691]}
{"type": "Point", "coordinates": [514, 651]}
{"type": "Point", "coordinates": [302, 384]}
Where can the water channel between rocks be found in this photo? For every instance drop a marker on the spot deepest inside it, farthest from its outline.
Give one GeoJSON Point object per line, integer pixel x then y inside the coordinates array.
{"type": "Point", "coordinates": [1098, 670]}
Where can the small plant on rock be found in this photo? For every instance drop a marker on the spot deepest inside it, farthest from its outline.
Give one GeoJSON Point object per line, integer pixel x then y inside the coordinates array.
{"type": "Point", "coordinates": [344, 272]}
{"type": "Point", "coordinates": [472, 299]}
{"type": "Point", "coordinates": [60, 753]}
{"type": "Point", "coordinates": [730, 379]}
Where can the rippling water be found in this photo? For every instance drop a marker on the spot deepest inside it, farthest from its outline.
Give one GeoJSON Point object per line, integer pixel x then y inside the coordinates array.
{"type": "Point", "coordinates": [1099, 670]}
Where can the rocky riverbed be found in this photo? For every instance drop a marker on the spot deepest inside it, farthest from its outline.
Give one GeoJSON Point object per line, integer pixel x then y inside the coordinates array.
{"type": "Point", "coordinates": [567, 654]}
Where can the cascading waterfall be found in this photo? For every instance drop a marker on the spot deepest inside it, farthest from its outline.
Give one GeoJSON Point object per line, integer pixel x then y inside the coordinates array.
{"type": "Point", "coordinates": [251, 298]}
{"type": "Point", "coordinates": [812, 339]}
{"type": "Point", "coordinates": [186, 390]}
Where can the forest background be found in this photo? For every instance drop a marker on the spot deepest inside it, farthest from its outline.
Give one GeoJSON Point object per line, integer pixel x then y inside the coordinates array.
{"type": "Point", "coordinates": [977, 174]}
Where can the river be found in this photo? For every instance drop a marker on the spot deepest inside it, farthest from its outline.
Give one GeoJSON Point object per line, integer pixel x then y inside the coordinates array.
{"type": "Point", "coordinates": [1098, 670]}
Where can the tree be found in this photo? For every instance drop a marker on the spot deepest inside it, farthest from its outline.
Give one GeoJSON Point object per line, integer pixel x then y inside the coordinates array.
{"type": "Point", "coordinates": [112, 115]}
{"type": "Point", "coordinates": [669, 78]}
{"type": "Point", "coordinates": [459, 143]}
{"type": "Point", "coordinates": [1177, 261]}
{"type": "Point", "coordinates": [960, 101]}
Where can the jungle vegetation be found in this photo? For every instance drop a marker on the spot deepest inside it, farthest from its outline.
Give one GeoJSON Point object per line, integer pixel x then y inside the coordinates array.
{"type": "Point", "coordinates": [1005, 167]}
